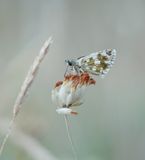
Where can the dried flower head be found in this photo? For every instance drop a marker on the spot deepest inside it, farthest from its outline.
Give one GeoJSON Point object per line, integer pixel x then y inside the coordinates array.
{"type": "Point", "coordinates": [69, 92]}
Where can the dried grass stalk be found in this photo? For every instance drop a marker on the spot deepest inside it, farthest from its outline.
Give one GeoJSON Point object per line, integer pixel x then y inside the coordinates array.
{"type": "Point", "coordinates": [25, 87]}
{"type": "Point", "coordinates": [29, 144]}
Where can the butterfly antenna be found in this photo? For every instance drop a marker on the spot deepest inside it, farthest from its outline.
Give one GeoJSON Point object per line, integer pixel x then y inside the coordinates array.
{"type": "Point", "coordinates": [70, 136]}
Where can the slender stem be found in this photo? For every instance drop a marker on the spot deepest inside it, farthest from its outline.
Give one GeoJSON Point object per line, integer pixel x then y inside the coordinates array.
{"type": "Point", "coordinates": [7, 134]}
{"type": "Point", "coordinates": [25, 88]}
{"type": "Point", "coordinates": [27, 143]}
{"type": "Point", "coordinates": [70, 136]}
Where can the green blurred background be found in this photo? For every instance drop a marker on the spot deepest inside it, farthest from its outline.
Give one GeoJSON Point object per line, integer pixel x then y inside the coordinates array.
{"type": "Point", "coordinates": [111, 122]}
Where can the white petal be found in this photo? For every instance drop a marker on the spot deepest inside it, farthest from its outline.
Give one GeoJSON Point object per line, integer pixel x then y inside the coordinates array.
{"type": "Point", "coordinates": [63, 93]}
{"type": "Point", "coordinates": [75, 95]}
{"type": "Point", "coordinates": [78, 103]}
{"type": "Point", "coordinates": [64, 111]}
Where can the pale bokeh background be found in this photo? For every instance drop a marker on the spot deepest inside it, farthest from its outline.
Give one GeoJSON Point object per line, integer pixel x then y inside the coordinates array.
{"type": "Point", "coordinates": [111, 122]}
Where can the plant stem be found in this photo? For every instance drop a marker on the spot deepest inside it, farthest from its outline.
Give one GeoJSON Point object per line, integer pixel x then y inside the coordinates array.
{"type": "Point", "coordinates": [70, 136]}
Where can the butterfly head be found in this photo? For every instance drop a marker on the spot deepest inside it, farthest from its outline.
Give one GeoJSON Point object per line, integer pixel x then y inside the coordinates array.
{"type": "Point", "coordinates": [70, 62]}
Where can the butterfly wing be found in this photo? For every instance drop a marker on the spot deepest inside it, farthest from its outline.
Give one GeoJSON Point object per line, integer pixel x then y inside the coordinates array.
{"type": "Point", "coordinates": [98, 63]}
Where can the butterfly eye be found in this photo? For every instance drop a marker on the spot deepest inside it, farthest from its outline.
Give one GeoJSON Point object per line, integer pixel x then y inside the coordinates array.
{"type": "Point", "coordinates": [69, 62]}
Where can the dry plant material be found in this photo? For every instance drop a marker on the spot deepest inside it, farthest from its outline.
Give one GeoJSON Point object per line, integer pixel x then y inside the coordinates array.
{"type": "Point", "coordinates": [27, 143]}
{"type": "Point", "coordinates": [25, 87]}
{"type": "Point", "coordinates": [67, 94]}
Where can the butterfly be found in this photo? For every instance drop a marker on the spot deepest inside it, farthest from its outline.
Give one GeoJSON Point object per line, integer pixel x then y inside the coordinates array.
{"type": "Point", "coordinates": [97, 63]}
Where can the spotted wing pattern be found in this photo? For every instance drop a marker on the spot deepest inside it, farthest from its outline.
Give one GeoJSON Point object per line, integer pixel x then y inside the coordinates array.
{"type": "Point", "coordinates": [98, 63]}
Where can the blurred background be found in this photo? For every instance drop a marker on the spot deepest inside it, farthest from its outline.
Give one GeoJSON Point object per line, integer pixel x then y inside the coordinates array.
{"type": "Point", "coordinates": [111, 122]}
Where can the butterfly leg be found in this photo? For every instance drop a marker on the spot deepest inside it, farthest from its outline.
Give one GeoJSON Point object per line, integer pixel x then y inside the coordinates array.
{"type": "Point", "coordinates": [67, 67]}
{"type": "Point", "coordinates": [77, 69]}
